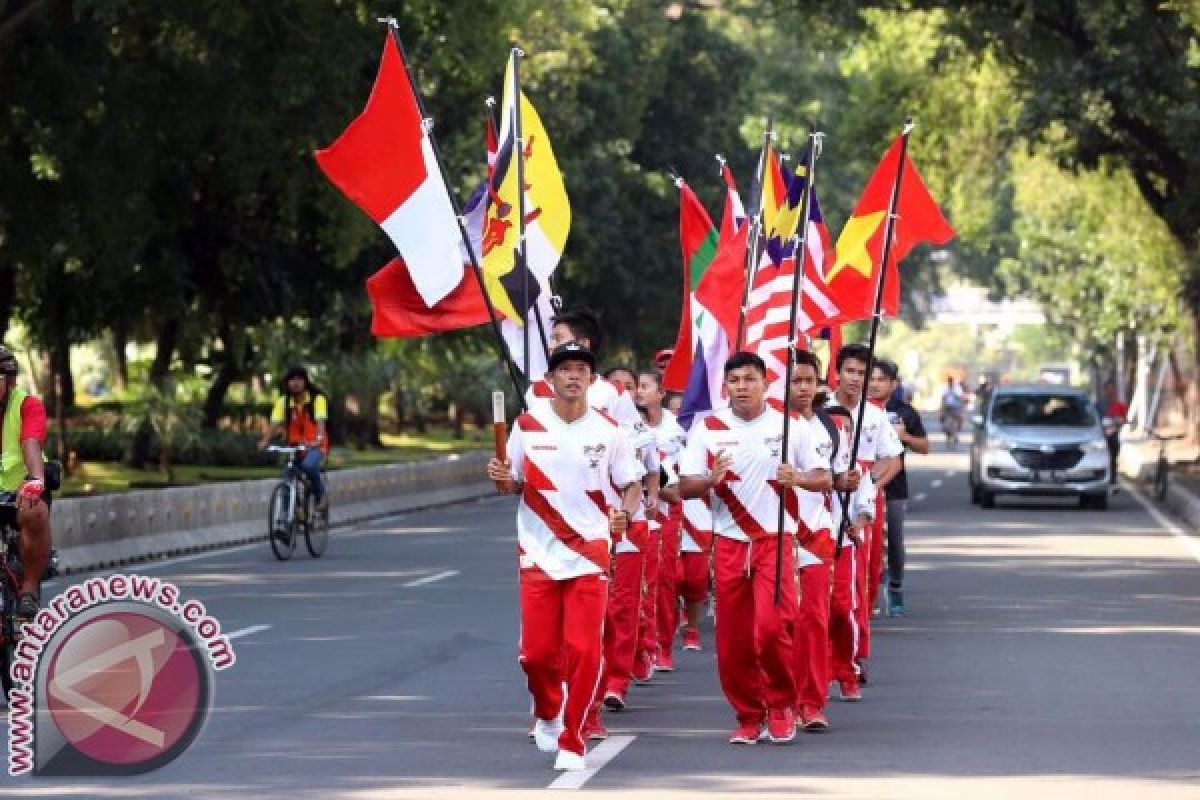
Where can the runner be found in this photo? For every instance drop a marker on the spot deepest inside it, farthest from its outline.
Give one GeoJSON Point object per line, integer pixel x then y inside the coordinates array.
{"type": "Point", "coordinates": [878, 453]}
{"type": "Point", "coordinates": [736, 454]}
{"type": "Point", "coordinates": [911, 432]}
{"type": "Point", "coordinates": [845, 621]}
{"type": "Point", "coordinates": [578, 482]}
{"type": "Point", "coordinates": [815, 553]}
{"type": "Point", "coordinates": [670, 439]}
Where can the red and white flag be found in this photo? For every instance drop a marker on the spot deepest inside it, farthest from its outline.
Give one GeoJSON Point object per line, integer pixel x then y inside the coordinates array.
{"type": "Point", "coordinates": [384, 162]}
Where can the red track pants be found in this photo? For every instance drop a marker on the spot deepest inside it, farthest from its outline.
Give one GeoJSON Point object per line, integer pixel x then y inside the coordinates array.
{"type": "Point", "coordinates": [693, 582]}
{"type": "Point", "coordinates": [648, 618]}
{"type": "Point", "coordinates": [754, 636]}
{"type": "Point", "coordinates": [621, 622]}
{"type": "Point", "coordinates": [562, 625]}
{"type": "Point", "coordinates": [843, 620]}
{"type": "Point", "coordinates": [875, 575]}
{"type": "Point", "coordinates": [812, 637]}
{"type": "Point", "coordinates": [669, 569]}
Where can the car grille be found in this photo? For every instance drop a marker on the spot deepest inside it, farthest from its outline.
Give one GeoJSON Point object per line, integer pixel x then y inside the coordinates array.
{"type": "Point", "coordinates": [1061, 458]}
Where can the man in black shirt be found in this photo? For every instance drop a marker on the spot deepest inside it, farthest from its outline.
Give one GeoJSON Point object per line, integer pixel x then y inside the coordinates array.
{"type": "Point", "coordinates": [885, 378]}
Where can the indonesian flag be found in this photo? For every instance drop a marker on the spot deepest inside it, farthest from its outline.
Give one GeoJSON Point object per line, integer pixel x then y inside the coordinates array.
{"type": "Point", "coordinates": [384, 162]}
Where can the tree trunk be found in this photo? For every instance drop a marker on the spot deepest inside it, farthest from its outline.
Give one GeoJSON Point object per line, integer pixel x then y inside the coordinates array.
{"type": "Point", "coordinates": [214, 400]}
{"type": "Point", "coordinates": [160, 370]}
{"type": "Point", "coordinates": [8, 294]}
{"type": "Point", "coordinates": [120, 341]}
{"type": "Point", "coordinates": [60, 368]}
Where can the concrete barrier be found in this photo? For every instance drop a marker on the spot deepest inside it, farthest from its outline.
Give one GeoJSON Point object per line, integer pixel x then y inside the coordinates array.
{"type": "Point", "coordinates": [115, 530]}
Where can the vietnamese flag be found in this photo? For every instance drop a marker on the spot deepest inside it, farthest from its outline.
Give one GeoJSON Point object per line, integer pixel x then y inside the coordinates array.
{"type": "Point", "coordinates": [384, 162]}
{"type": "Point", "coordinates": [698, 238]}
{"type": "Point", "coordinates": [859, 250]}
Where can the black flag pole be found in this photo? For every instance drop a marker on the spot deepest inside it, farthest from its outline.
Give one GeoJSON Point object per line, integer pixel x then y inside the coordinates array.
{"type": "Point", "coordinates": [800, 248]}
{"type": "Point", "coordinates": [880, 284]}
{"type": "Point", "coordinates": [472, 257]}
{"type": "Point", "coordinates": [754, 220]}
{"type": "Point", "coordinates": [522, 244]}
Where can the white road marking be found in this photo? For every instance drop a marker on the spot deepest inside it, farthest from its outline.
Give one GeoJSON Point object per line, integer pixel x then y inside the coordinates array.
{"type": "Point", "coordinates": [1189, 542]}
{"type": "Point", "coordinates": [450, 573]}
{"type": "Point", "coordinates": [949, 473]}
{"type": "Point", "coordinates": [247, 631]}
{"type": "Point", "coordinates": [605, 752]}
{"type": "Point", "coordinates": [920, 496]}
{"type": "Point", "coordinates": [937, 484]}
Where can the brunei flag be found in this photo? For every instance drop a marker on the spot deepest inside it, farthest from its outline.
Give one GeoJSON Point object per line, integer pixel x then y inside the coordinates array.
{"type": "Point", "coordinates": [859, 251]}
{"type": "Point", "coordinates": [547, 211]}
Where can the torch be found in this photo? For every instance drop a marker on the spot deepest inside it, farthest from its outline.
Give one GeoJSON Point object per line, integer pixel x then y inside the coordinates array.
{"type": "Point", "coordinates": [499, 430]}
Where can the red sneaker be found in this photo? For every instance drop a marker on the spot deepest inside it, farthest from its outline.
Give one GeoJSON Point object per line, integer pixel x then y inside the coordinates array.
{"type": "Point", "coordinates": [691, 639]}
{"type": "Point", "coordinates": [781, 725]}
{"type": "Point", "coordinates": [643, 668]}
{"type": "Point", "coordinates": [747, 734]}
{"type": "Point", "coordinates": [813, 720]}
{"type": "Point", "coordinates": [849, 690]}
{"type": "Point", "coordinates": [666, 662]}
{"type": "Point", "coordinates": [614, 701]}
{"type": "Point", "coordinates": [594, 730]}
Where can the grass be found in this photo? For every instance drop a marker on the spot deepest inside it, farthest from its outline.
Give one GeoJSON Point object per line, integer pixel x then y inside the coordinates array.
{"type": "Point", "coordinates": [105, 478]}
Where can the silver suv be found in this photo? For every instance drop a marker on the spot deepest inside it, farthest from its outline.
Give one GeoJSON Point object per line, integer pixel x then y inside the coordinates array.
{"type": "Point", "coordinates": [1039, 439]}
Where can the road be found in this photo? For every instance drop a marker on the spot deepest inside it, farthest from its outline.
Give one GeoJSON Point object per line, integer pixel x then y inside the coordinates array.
{"type": "Point", "coordinates": [1048, 652]}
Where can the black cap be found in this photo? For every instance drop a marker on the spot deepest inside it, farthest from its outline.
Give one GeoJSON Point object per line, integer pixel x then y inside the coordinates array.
{"type": "Point", "coordinates": [572, 351]}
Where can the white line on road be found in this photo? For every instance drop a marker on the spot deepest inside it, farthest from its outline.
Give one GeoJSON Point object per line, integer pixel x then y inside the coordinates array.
{"type": "Point", "coordinates": [1192, 546]}
{"type": "Point", "coordinates": [247, 631]}
{"type": "Point", "coordinates": [605, 752]}
{"type": "Point", "coordinates": [949, 473]}
{"type": "Point", "coordinates": [450, 573]}
{"type": "Point", "coordinates": [920, 496]}
{"type": "Point", "coordinates": [937, 484]}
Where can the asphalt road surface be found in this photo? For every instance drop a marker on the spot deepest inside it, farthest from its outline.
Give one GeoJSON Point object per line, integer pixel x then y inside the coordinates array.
{"type": "Point", "coordinates": [1048, 652]}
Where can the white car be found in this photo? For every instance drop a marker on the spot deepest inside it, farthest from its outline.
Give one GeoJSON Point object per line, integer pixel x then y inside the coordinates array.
{"type": "Point", "coordinates": [1039, 440]}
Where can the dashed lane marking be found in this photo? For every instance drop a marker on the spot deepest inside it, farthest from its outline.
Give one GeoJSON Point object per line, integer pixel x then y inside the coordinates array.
{"type": "Point", "coordinates": [450, 573]}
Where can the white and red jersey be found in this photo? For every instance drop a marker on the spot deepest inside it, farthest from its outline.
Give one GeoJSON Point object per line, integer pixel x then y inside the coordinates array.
{"type": "Point", "coordinates": [602, 395]}
{"type": "Point", "coordinates": [879, 438]}
{"type": "Point", "coordinates": [814, 506]}
{"type": "Point", "coordinates": [745, 503]}
{"type": "Point", "coordinates": [670, 439]}
{"type": "Point", "coordinates": [645, 452]}
{"type": "Point", "coordinates": [570, 471]}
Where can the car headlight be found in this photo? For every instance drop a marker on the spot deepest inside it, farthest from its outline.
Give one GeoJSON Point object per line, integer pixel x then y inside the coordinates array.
{"type": "Point", "coordinates": [1096, 446]}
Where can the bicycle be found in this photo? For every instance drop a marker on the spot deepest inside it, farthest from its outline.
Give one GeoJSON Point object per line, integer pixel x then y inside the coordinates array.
{"type": "Point", "coordinates": [11, 572]}
{"type": "Point", "coordinates": [291, 511]}
{"type": "Point", "coordinates": [951, 421]}
{"type": "Point", "coordinates": [1162, 467]}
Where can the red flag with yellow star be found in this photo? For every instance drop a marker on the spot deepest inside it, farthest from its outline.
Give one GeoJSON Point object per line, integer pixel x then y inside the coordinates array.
{"type": "Point", "coordinates": [859, 250]}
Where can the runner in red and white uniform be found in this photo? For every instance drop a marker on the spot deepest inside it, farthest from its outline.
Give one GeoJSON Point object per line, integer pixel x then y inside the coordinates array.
{"type": "Point", "coordinates": [737, 454]}
{"type": "Point", "coordinates": [844, 619]}
{"type": "Point", "coordinates": [578, 481]}
{"type": "Point", "coordinates": [879, 452]}
{"type": "Point", "coordinates": [670, 438]}
{"type": "Point", "coordinates": [582, 326]}
{"type": "Point", "coordinates": [815, 551]}
{"type": "Point", "coordinates": [646, 658]}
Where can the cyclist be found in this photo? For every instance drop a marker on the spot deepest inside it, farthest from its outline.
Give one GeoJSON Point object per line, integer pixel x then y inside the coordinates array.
{"type": "Point", "coordinates": [23, 470]}
{"type": "Point", "coordinates": [952, 409]}
{"type": "Point", "coordinates": [301, 413]}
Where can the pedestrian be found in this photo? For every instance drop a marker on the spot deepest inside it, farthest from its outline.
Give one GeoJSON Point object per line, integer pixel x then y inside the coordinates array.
{"type": "Point", "coordinates": [578, 482]}
{"type": "Point", "coordinates": [910, 430]}
{"type": "Point", "coordinates": [737, 454]}
{"type": "Point", "coordinates": [878, 453]}
{"type": "Point", "coordinates": [1115, 415]}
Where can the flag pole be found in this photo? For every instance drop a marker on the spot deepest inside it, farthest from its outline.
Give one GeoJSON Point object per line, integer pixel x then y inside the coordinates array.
{"type": "Point", "coordinates": [427, 123]}
{"type": "Point", "coordinates": [800, 249]}
{"type": "Point", "coordinates": [755, 221]}
{"type": "Point", "coordinates": [880, 282]}
{"type": "Point", "coordinates": [522, 247]}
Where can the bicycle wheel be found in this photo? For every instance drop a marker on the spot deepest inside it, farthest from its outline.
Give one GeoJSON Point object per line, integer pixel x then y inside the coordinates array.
{"type": "Point", "coordinates": [316, 529]}
{"type": "Point", "coordinates": [1160, 481]}
{"type": "Point", "coordinates": [283, 540]}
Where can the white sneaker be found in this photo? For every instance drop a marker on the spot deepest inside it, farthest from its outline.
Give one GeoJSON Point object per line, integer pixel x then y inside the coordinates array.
{"type": "Point", "coordinates": [546, 733]}
{"type": "Point", "coordinates": [569, 762]}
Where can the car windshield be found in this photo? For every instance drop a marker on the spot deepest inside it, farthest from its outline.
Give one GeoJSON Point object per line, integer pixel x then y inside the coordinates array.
{"type": "Point", "coordinates": [1058, 410]}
